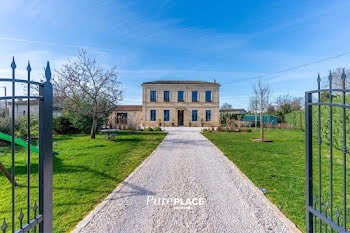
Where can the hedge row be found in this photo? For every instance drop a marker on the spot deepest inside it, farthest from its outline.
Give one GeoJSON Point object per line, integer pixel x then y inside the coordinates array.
{"type": "Point", "coordinates": [295, 119]}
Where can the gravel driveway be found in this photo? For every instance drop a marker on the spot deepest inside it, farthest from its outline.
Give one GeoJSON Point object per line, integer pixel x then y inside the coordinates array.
{"type": "Point", "coordinates": [186, 185]}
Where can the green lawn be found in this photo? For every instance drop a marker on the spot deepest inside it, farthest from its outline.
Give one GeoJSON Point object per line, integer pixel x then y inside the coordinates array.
{"type": "Point", "coordinates": [280, 168]}
{"type": "Point", "coordinates": [85, 172]}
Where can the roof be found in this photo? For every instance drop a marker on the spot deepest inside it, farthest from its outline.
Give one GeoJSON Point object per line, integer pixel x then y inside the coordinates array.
{"type": "Point", "coordinates": [180, 82]}
{"type": "Point", "coordinates": [233, 110]}
{"type": "Point", "coordinates": [128, 108]}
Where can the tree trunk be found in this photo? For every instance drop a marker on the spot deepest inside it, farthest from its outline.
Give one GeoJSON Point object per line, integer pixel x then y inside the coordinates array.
{"type": "Point", "coordinates": [256, 121]}
{"type": "Point", "coordinates": [261, 126]}
{"type": "Point", "coordinates": [93, 127]}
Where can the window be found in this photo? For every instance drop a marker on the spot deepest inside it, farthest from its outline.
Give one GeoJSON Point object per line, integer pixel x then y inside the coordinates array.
{"type": "Point", "coordinates": [153, 96]}
{"type": "Point", "coordinates": [122, 118]}
{"type": "Point", "coordinates": [166, 115]}
{"type": "Point", "coordinates": [207, 96]}
{"type": "Point", "coordinates": [166, 96]}
{"type": "Point", "coordinates": [180, 96]}
{"type": "Point", "coordinates": [194, 115]}
{"type": "Point", "coordinates": [194, 96]}
{"type": "Point", "coordinates": [208, 115]}
{"type": "Point", "coordinates": [153, 115]}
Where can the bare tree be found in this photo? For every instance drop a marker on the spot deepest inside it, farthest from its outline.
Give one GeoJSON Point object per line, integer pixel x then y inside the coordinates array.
{"type": "Point", "coordinates": [283, 100]}
{"type": "Point", "coordinates": [253, 107]}
{"type": "Point", "coordinates": [86, 88]}
{"type": "Point", "coordinates": [226, 106]}
{"type": "Point", "coordinates": [297, 103]}
{"type": "Point", "coordinates": [337, 81]}
{"type": "Point", "coordinates": [262, 92]}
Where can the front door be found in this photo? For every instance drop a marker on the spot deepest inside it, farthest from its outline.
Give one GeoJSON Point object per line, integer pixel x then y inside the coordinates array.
{"type": "Point", "coordinates": [180, 117]}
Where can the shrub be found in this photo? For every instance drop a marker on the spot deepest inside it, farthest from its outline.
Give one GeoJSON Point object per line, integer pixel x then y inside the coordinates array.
{"type": "Point", "coordinates": [219, 129]}
{"type": "Point", "coordinates": [83, 123]}
{"type": "Point", "coordinates": [204, 130]}
{"type": "Point", "coordinates": [62, 125]}
{"type": "Point", "coordinates": [130, 127]}
{"type": "Point", "coordinates": [157, 129]}
{"type": "Point", "coordinates": [5, 125]}
{"type": "Point", "coordinates": [140, 129]}
{"type": "Point", "coordinates": [227, 130]}
{"type": "Point", "coordinates": [245, 130]}
{"type": "Point", "coordinates": [296, 118]}
{"type": "Point", "coordinates": [22, 127]}
{"type": "Point", "coordinates": [149, 129]}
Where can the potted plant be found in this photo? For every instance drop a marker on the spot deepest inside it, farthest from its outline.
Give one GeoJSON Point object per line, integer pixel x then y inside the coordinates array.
{"type": "Point", "coordinates": [173, 122]}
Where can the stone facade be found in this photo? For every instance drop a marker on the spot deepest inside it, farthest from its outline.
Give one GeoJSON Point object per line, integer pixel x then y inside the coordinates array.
{"type": "Point", "coordinates": [205, 106]}
{"type": "Point", "coordinates": [202, 110]}
{"type": "Point", "coordinates": [126, 116]}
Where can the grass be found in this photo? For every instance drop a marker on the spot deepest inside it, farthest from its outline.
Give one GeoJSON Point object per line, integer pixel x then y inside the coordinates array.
{"type": "Point", "coordinates": [85, 172]}
{"type": "Point", "coordinates": [280, 168]}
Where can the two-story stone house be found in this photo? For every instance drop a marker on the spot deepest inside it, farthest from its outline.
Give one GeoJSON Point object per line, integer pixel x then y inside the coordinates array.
{"type": "Point", "coordinates": [173, 103]}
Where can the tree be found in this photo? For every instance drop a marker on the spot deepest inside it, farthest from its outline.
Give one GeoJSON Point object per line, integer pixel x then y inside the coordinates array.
{"type": "Point", "coordinates": [262, 92]}
{"type": "Point", "coordinates": [297, 103]}
{"type": "Point", "coordinates": [336, 80]}
{"type": "Point", "coordinates": [226, 106]}
{"type": "Point", "coordinates": [87, 89]}
{"type": "Point", "coordinates": [271, 110]}
{"type": "Point", "coordinates": [283, 106]}
{"type": "Point", "coordinates": [253, 107]}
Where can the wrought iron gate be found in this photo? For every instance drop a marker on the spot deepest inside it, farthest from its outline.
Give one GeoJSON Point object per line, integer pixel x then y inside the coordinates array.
{"type": "Point", "coordinates": [322, 214]}
{"type": "Point", "coordinates": [38, 215]}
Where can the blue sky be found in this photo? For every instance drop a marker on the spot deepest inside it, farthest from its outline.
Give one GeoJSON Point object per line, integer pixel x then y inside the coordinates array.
{"type": "Point", "coordinates": [231, 41]}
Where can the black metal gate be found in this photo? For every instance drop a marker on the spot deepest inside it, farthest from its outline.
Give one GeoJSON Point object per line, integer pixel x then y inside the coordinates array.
{"type": "Point", "coordinates": [38, 215]}
{"type": "Point", "coordinates": [323, 214]}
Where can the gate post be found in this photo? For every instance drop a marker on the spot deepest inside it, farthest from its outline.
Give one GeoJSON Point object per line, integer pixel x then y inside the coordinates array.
{"type": "Point", "coordinates": [308, 178]}
{"type": "Point", "coordinates": [45, 153]}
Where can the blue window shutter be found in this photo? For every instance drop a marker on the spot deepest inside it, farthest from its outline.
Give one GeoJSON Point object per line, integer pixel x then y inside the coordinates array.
{"type": "Point", "coordinates": [153, 96]}
{"type": "Point", "coordinates": [153, 115]}
{"type": "Point", "coordinates": [166, 115]}
{"type": "Point", "coordinates": [208, 96]}
{"type": "Point", "coordinates": [194, 96]}
{"type": "Point", "coordinates": [180, 96]}
{"type": "Point", "coordinates": [194, 115]}
{"type": "Point", "coordinates": [166, 96]}
{"type": "Point", "coordinates": [208, 115]}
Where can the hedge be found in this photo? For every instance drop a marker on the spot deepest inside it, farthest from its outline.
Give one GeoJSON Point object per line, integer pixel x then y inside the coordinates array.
{"type": "Point", "coordinates": [294, 118]}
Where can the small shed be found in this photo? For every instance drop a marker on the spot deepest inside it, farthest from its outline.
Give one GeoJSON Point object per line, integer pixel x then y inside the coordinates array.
{"type": "Point", "coordinates": [267, 119]}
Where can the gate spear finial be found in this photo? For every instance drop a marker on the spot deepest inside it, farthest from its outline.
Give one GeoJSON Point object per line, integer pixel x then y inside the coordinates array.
{"type": "Point", "coordinates": [48, 72]}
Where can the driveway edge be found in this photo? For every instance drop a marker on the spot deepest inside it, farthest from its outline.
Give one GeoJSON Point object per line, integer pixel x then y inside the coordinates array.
{"type": "Point", "coordinates": [286, 221]}
{"type": "Point", "coordinates": [83, 223]}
